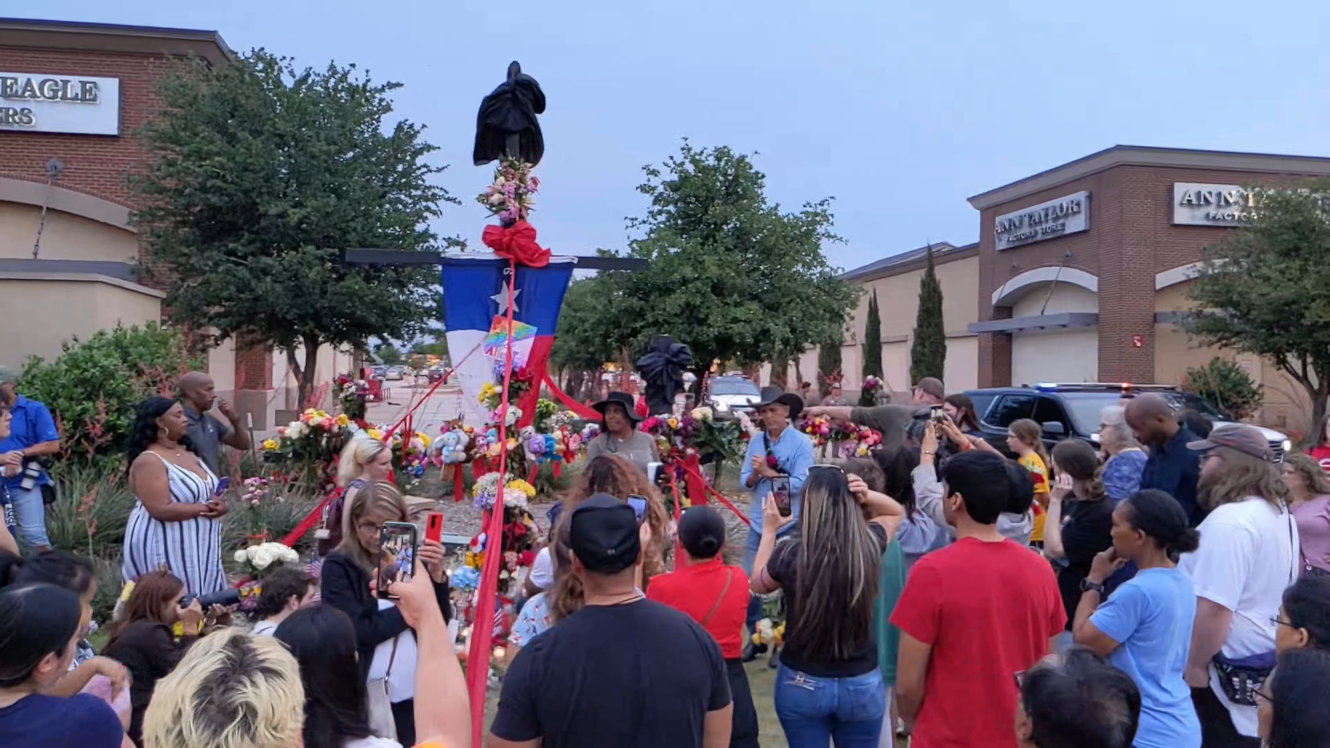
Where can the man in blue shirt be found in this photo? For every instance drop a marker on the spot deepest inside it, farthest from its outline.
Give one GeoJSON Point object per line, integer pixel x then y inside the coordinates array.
{"type": "Point", "coordinates": [780, 451]}
{"type": "Point", "coordinates": [32, 435]}
{"type": "Point", "coordinates": [1171, 466]}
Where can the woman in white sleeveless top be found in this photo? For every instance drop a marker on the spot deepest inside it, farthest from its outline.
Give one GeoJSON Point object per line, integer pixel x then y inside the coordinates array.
{"type": "Point", "coordinates": [176, 523]}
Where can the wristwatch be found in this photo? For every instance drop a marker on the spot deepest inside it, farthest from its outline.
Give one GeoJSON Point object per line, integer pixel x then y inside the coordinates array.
{"type": "Point", "coordinates": [1087, 585]}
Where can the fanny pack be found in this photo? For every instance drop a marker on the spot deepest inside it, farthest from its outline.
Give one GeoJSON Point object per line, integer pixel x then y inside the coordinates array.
{"type": "Point", "coordinates": [1241, 678]}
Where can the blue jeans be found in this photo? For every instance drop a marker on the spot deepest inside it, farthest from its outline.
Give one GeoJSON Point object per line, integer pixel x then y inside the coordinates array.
{"type": "Point", "coordinates": [31, 515]}
{"type": "Point", "coordinates": [754, 602]}
{"type": "Point", "coordinates": [815, 711]}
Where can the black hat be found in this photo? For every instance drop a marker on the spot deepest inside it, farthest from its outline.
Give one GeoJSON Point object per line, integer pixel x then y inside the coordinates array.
{"type": "Point", "coordinates": [603, 534]}
{"type": "Point", "coordinates": [777, 395]}
{"type": "Point", "coordinates": [702, 531]}
{"type": "Point", "coordinates": [618, 398]}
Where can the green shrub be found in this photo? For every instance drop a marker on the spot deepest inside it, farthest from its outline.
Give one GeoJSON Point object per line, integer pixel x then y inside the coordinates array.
{"type": "Point", "coordinates": [94, 385]}
{"type": "Point", "coordinates": [280, 516]}
{"type": "Point", "coordinates": [109, 583]}
{"type": "Point", "coordinates": [91, 510]}
{"type": "Point", "coordinates": [1227, 385]}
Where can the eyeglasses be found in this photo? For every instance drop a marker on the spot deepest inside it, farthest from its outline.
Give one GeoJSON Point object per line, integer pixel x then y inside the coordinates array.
{"type": "Point", "coordinates": [1281, 622]}
{"type": "Point", "coordinates": [639, 505]}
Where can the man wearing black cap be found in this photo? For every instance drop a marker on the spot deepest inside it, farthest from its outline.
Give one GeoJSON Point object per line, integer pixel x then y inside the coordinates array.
{"type": "Point", "coordinates": [623, 671]}
{"type": "Point", "coordinates": [716, 596]}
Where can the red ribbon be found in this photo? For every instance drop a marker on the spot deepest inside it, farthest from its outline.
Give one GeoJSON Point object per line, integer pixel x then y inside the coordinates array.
{"type": "Point", "coordinates": [516, 243]}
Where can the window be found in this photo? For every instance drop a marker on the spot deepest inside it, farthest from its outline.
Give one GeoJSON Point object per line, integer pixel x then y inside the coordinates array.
{"type": "Point", "coordinates": [1047, 410]}
{"type": "Point", "coordinates": [1010, 408]}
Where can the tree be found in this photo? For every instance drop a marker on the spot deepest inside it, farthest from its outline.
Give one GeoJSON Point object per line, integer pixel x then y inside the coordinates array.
{"type": "Point", "coordinates": [829, 363]}
{"type": "Point", "coordinates": [260, 175]}
{"type": "Point", "coordinates": [388, 353]}
{"type": "Point", "coordinates": [1227, 385]}
{"type": "Point", "coordinates": [928, 352]}
{"type": "Point", "coordinates": [1265, 290]}
{"type": "Point", "coordinates": [729, 273]}
{"type": "Point", "coordinates": [873, 341]}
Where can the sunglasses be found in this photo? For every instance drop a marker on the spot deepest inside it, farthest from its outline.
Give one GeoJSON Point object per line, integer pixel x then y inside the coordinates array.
{"type": "Point", "coordinates": [837, 468]}
{"type": "Point", "coordinates": [639, 505]}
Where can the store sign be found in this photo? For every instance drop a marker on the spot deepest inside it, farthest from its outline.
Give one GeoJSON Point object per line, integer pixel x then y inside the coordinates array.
{"type": "Point", "coordinates": [1065, 215]}
{"type": "Point", "coordinates": [1211, 204]}
{"type": "Point", "coordinates": [32, 102]}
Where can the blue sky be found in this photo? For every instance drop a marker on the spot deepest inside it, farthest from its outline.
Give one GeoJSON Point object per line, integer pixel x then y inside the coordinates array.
{"type": "Point", "coordinates": [898, 110]}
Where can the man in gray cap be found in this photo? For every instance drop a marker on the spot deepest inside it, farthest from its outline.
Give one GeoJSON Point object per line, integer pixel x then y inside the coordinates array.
{"type": "Point", "coordinates": [1248, 555]}
{"type": "Point", "coordinates": [32, 435]}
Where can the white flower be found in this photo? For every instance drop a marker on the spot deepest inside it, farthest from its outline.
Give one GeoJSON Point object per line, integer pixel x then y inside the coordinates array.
{"type": "Point", "coordinates": [295, 430]}
{"type": "Point", "coordinates": [242, 557]}
{"type": "Point", "coordinates": [261, 558]}
{"type": "Point", "coordinates": [702, 414]}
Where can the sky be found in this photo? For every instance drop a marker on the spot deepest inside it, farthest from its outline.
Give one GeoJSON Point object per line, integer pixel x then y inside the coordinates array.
{"type": "Point", "coordinates": [898, 110]}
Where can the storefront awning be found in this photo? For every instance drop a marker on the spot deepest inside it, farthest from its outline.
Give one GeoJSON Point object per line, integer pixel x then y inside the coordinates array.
{"type": "Point", "coordinates": [1066, 320]}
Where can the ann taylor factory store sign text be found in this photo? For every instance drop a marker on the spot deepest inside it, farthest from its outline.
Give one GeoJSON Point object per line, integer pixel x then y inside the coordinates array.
{"type": "Point", "coordinates": [1065, 215]}
{"type": "Point", "coordinates": [52, 103]}
{"type": "Point", "coordinates": [1211, 204]}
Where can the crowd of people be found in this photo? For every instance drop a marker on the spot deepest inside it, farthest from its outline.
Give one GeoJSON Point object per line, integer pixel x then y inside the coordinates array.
{"type": "Point", "coordinates": [1165, 588]}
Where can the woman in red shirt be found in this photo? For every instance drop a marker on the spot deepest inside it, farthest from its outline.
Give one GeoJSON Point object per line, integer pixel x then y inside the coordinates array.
{"type": "Point", "coordinates": [716, 596]}
{"type": "Point", "coordinates": [1321, 452]}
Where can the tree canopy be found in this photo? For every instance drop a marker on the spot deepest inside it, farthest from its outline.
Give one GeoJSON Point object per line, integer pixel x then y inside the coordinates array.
{"type": "Point", "coordinates": [730, 274]}
{"type": "Point", "coordinates": [260, 175]}
{"type": "Point", "coordinates": [1266, 290]}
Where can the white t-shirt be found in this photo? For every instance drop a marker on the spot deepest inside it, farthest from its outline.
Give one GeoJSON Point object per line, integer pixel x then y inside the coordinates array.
{"type": "Point", "coordinates": [264, 628]}
{"type": "Point", "coordinates": [402, 676]}
{"type": "Point", "coordinates": [1245, 562]}
{"type": "Point", "coordinates": [542, 569]}
{"type": "Point", "coordinates": [371, 742]}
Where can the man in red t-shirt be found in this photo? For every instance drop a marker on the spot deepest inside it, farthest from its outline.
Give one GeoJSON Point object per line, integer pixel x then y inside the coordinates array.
{"type": "Point", "coordinates": [973, 615]}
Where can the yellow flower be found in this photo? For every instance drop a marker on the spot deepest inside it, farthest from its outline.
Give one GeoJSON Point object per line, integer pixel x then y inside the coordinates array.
{"type": "Point", "coordinates": [270, 445]}
{"type": "Point", "coordinates": [375, 434]}
{"type": "Point", "coordinates": [674, 423]}
{"type": "Point", "coordinates": [512, 444]}
{"type": "Point", "coordinates": [343, 421]}
{"type": "Point", "coordinates": [424, 439]}
{"type": "Point", "coordinates": [521, 485]}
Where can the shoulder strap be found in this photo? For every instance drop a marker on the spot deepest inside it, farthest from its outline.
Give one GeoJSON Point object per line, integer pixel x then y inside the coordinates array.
{"type": "Point", "coordinates": [165, 461]}
{"type": "Point", "coordinates": [729, 577]}
{"type": "Point", "coordinates": [1295, 552]}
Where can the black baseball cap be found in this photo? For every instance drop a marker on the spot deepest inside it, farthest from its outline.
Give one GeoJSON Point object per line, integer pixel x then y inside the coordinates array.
{"type": "Point", "coordinates": [702, 531]}
{"type": "Point", "coordinates": [603, 534]}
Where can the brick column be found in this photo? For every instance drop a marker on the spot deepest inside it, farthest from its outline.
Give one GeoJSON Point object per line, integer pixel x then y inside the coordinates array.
{"type": "Point", "coordinates": [995, 353]}
{"type": "Point", "coordinates": [254, 382]}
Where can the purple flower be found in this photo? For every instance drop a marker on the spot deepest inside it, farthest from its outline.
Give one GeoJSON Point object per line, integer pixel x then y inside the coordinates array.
{"type": "Point", "coordinates": [508, 216]}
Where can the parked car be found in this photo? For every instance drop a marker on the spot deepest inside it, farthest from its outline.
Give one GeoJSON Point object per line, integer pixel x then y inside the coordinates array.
{"type": "Point", "coordinates": [396, 373]}
{"type": "Point", "coordinates": [730, 395]}
{"type": "Point", "coordinates": [1073, 410]}
{"type": "Point", "coordinates": [379, 372]}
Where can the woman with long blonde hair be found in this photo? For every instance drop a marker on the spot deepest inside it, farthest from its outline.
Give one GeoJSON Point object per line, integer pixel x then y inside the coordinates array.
{"type": "Point", "coordinates": [829, 569]}
{"type": "Point", "coordinates": [385, 645]}
{"type": "Point", "coordinates": [364, 459]}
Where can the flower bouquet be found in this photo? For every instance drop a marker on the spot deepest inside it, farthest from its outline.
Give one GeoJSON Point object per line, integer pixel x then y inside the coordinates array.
{"type": "Point", "coordinates": [310, 445]}
{"type": "Point", "coordinates": [868, 396]}
{"type": "Point", "coordinates": [510, 197]}
{"type": "Point", "coordinates": [258, 559]}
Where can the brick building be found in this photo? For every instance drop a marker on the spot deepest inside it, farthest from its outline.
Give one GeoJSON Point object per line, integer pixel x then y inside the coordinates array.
{"type": "Point", "coordinates": [72, 96]}
{"type": "Point", "coordinates": [1084, 267]}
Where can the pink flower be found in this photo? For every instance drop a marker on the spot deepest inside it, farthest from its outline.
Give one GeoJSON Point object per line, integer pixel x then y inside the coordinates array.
{"type": "Point", "coordinates": [771, 462]}
{"type": "Point", "coordinates": [533, 184]}
{"type": "Point", "coordinates": [508, 216]}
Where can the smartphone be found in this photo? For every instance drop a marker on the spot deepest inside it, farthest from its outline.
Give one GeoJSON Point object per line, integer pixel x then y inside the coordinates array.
{"type": "Point", "coordinates": [222, 483]}
{"type": "Point", "coordinates": [937, 414]}
{"type": "Point", "coordinates": [434, 526]}
{"type": "Point", "coordinates": [397, 554]}
{"type": "Point", "coordinates": [780, 493]}
{"type": "Point", "coordinates": [639, 505]}
{"type": "Point", "coordinates": [655, 472]}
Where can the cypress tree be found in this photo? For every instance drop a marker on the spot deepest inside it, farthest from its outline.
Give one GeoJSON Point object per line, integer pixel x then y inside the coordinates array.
{"type": "Point", "coordinates": [828, 364]}
{"type": "Point", "coordinates": [872, 342]}
{"type": "Point", "coordinates": [928, 353]}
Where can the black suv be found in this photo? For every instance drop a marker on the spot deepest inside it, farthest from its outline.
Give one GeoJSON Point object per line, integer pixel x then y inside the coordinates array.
{"type": "Point", "coordinates": [1073, 410]}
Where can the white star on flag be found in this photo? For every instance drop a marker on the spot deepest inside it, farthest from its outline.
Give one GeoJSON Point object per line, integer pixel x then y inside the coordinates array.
{"type": "Point", "coordinates": [501, 298]}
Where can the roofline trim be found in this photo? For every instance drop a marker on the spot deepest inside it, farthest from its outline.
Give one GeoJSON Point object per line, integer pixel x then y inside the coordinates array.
{"type": "Point", "coordinates": [66, 201]}
{"type": "Point", "coordinates": [1134, 155]}
{"type": "Point", "coordinates": [82, 278]}
{"type": "Point", "coordinates": [1047, 274]}
{"type": "Point", "coordinates": [940, 257]}
{"type": "Point", "coordinates": [110, 37]}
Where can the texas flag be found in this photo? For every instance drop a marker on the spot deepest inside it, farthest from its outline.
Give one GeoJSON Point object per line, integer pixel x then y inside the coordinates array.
{"type": "Point", "coordinates": [475, 311]}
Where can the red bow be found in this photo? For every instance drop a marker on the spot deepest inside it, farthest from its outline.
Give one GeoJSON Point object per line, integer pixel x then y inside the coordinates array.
{"type": "Point", "coordinates": [516, 242]}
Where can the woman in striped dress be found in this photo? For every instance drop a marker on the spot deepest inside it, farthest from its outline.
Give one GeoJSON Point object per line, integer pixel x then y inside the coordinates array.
{"type": "Point", "coordinates": [176, 523]}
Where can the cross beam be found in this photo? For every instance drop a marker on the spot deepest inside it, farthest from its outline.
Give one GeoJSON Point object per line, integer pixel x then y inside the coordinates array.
{"type": "Point", "coordinates": [411, 257]}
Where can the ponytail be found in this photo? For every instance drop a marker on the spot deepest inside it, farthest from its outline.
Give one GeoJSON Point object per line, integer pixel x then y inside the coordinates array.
{"type": "Point", "coordinates": [1159, 516]}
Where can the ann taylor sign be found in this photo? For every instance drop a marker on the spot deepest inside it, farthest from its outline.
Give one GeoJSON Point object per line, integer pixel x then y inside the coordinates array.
{"type": "Point", "coordinates": [1212, 204]}
{"type": "Point", "coordinates": [31, 102]}
{"type": "Point", "coordinates": [1065, 215]}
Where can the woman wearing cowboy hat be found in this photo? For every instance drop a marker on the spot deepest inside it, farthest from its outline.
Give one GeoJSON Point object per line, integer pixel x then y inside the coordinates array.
{"type": "Point", "coordinates": [621, 436]}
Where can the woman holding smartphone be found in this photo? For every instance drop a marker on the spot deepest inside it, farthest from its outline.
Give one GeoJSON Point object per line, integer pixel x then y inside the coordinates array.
{"type": "Point", "coordinates": [384, 643]}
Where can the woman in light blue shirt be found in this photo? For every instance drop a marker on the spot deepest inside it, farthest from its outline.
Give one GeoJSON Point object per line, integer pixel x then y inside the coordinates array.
{"type": "Point", "coordinates": [1144, 629]}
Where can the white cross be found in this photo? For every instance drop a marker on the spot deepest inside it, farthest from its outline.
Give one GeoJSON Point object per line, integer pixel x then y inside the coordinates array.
{"type": "Point", "coordinates": [501, 298]}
